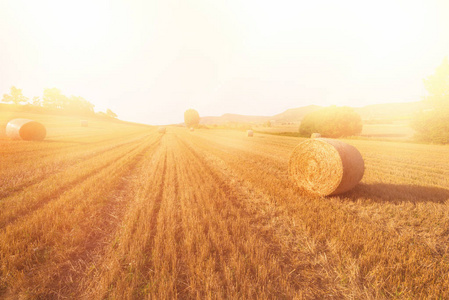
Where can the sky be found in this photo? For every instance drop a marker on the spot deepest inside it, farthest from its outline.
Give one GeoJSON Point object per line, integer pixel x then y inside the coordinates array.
{"type": "Point", "coordinates": [149, 61]}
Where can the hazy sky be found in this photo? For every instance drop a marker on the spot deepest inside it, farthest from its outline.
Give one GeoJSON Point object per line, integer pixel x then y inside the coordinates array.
{"type": "Point", "coordinates": [149, 61]}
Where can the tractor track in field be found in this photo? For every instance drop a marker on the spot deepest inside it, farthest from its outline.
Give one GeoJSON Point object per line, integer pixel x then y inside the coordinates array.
{"type": "Point", "coordinates": [21, 157]}
{"type": "Point", "coordinates": [56, 167]}
{"type": "Point", "coordinates": [45, 198]}
{"type": "Point", "coordinates": [141, 216]}
{"type": "Point", "coordinates": [69, 284]}
{"type": "Point", "coordinates": [305, 268]}
{"type": "Point", "coordinates": [65, 277]}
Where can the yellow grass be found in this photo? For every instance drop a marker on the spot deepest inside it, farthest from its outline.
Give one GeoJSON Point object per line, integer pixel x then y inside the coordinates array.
{"type": "Point", "coordinates": [118, 211]}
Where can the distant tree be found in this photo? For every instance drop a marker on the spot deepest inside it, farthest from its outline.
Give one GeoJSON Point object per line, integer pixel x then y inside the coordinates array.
{"type": "Point", "coordinates": [191, 118]}
{"type": "Point", "coordinates": [15, 96]}
{"type": "Point", "coordinates": [54, 98]}
{"type": "Point", "coordinates": [332, 122]}
{"type": "Point", "coordinates": [79, 105]}
{"type": "Point", "coordinates": [37, 101]}
{"type": "Point", "coordinates": [101, 114]}
{"type": "Point", "coordinates": [111, 114]}
{"type": "Point", "coordinates": [438, 86]}
{"type": "Point", "coordinates": [433, 125]}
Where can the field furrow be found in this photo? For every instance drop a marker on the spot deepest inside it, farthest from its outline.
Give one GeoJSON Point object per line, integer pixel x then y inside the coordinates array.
{"type": "Point", "coordinates": [59, 229]}
{"type": "Point", "coordinates": [122, 270]}
{"type": "Point", "coordinates": [27, 174]}
{"type": "Point", "coordinates": [265, 253]}
{"type": "Point", "coordinates": [33, 197]}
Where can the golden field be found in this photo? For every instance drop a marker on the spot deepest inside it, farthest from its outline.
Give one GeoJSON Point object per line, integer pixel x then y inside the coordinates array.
{"type": "Point", "coordinates": [119, 211]}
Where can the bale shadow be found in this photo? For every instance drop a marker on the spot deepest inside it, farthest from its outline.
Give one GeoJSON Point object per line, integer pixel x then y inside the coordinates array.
{"type": "Point", "coordinates": [397, 193]}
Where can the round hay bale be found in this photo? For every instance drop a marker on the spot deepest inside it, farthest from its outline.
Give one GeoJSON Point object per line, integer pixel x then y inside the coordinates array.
{"type": "Point", "coordinates": [315, 135]}
{"type": "Point", "coordinates": [161, 130]}
{"type": "Point", "coordinates": [84, 123]}
{"type": "Point", "coordinates": [25, 129]}
{"type": "Point", "coordinates": [192, 129]}
{"type": "Point", "coordinates": [325, 166]}
{"type": "Point", "coordinates": [249, 133]}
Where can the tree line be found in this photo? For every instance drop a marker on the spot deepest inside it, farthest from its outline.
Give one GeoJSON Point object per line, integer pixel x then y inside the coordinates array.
{"type": "Point", "coordinates": [53, 98]}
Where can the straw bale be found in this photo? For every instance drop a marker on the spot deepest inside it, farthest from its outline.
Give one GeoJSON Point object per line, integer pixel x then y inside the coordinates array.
{"type": "Point", "coordinates": [25, 129]}
{"type": "Point", "coordinates": [325, 166]}
{"type": "Point", "coordinates": [315, 135]}
{"type": "Point", "coordinates": [84, 123]}
{"type": "Point", "coordinates": [250, 133]}
{"type": "Point", "coordinates": [161, 130]}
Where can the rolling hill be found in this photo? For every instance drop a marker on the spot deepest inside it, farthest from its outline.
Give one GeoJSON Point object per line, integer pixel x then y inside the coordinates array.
{"type": "Point", "coordinates": [389, 111]}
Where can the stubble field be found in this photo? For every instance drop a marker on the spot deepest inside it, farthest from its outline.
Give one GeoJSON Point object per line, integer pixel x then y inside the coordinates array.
{"type": "Point", "coordinates": [119, 211]}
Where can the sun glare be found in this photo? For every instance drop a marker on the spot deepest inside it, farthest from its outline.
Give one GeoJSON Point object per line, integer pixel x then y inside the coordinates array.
{"type": "Point", "coordinates": [81, 36]}
{"type": "Point", "coordinates": [195, 53]}
{"type": "Point", "coordinates": [224, 149]}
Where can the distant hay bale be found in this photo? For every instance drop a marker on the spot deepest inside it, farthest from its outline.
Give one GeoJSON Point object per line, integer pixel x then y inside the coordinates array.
{"type": "Point", "coordinates": [25, 129]}
{"type": "Point", "coordinates": [192, 129]}
{"type": "Point", "coordinates": [161, 130]}
{"type": "Point", "coordinates": [84, 123]}
{"type": "Point", "coordinates": [250, 133]}
{"type": "Point", "coordinates": [325, 166]}
{"type": "Point", "coordinates": [315, 135]}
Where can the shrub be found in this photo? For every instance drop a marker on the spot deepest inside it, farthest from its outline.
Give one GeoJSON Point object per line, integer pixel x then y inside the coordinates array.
{"type": "Point", "coordinates": [433, 125]}
{"type": "Point", "coordinates": [332, 122]}
{"type": "Point", "coordinates": [191, 118]}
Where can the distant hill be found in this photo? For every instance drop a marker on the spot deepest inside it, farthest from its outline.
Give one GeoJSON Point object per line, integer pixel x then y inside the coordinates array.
{"type": "Point", "coordinates": [230, 118]}
{"type": "Point", "coordinates": [295, 114]}
{"type": "Point", "coordinates": [388, 111]}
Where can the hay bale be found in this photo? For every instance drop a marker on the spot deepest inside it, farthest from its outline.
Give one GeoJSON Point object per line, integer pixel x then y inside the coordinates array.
{"type": "Point", "coordinates": [161, 130]}
{"type": "Point", "coordinates": [249, 133]}
{"type": "Point", "coordinates": [24, 129]}
{"type": "Point", "coordinates": [84, 123]}
{"type": "Point", "coordinates": [192, 129]}
{"type": "Point", "coordinates": [326, 166]}
{"type": "Point", "coordinates": [315, 135]}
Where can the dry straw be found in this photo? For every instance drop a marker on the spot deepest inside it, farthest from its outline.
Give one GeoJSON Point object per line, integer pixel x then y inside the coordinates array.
{"type": "Point", "coordinates": [192, 129]}
{"type": "Point", "coordinates": [326, 166]}
{"type": "Point", "coordinates": [25, 129]}
{"type": "Point", "coordinates": [161, 130]}
{"type": "Point", "coordinates": [315, 135]}
{"type": "Point", "coordinates": [250, 133]}
{"type": "Point", "coordinates": [84, 123]}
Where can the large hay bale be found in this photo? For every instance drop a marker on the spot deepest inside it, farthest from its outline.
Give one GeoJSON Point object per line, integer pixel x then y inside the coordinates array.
{"type": "Point", "coordinates": [250, 133]}
{"type": "Point", "coordinates": [315, 135]}
{"type": "Point", "coordinates": [192, 129]}
{"type": "Point", "coordinates": [161, 130]}
{"type": "Point", "coordinates": [25, 129]}
{"type": "Point", "coordinates": [84, 123]}
{"type": "Point", "coordinates": [326, 166]}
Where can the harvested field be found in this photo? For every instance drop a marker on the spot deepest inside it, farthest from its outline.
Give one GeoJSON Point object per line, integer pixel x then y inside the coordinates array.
{"type": "Point", "coordinates": [119, 211]}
